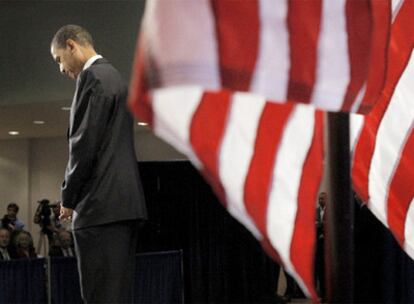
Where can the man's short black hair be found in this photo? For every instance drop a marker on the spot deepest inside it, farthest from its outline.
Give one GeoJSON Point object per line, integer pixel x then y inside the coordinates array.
{"type": "Point", "coordinates": [13, 206]}
{"type": "Point", "coordinates": [4, 229]}
{"type": "Point", "coordinates": [74, 32]}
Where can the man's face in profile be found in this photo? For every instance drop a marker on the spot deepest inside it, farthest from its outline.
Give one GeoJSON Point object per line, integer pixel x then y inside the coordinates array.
{"type": "Point", "coordinates": [67, 60]}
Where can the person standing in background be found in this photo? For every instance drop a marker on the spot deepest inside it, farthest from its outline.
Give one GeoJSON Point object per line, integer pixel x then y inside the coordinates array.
{"type": "Point", "coordinates": [102, 188]}
{"type": "Point", "coordinates": [320, 244]}
{"type": "Point", "coordinates": [10, 220]}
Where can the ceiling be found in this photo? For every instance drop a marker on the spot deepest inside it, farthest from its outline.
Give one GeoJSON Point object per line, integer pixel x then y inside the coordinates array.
{"type": "Point", "coordinates": [20, 117]}
{"type": "Point", "coordinates": [31, 87]}
{"type": "Point", "coordinates": [25, 118]}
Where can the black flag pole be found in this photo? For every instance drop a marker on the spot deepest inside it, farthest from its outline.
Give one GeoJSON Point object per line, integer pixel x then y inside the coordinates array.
{"type": "Point", "coordinates": [339, 238]}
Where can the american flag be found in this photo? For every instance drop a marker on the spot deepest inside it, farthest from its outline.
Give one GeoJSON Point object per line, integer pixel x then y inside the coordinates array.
{"type": "Point", "coordinates": [383, 158]}
{"type": "Point", "coordinates": [240, 88]}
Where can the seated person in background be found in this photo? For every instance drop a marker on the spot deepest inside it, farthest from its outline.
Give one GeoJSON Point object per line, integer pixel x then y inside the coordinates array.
{"type": "Point", "coordinates": [24, 248]}
{"type": "Point", "coordinates": [10, 220]}
{"type": "Point", "coordinates": [65, 248]}
{"type": "Point", "coordinates": [5, 254]}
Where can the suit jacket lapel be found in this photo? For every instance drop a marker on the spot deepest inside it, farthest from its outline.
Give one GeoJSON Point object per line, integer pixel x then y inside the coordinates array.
{"type": "Point", "coordinates": [75, 98]}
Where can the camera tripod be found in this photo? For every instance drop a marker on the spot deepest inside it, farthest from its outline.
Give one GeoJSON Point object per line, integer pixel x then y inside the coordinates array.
{"type": "Point", "coordinates": [43, 244]}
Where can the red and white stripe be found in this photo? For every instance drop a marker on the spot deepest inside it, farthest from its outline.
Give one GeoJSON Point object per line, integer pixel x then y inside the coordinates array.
{"type": "Point", "coordinates": [304, 51]}
{"type": "Point", "coordinates": [249, 150]}
{"type": "Point", "coordinates": [197, 59]}
{"type": "Point", "coordinates": [383, 158]}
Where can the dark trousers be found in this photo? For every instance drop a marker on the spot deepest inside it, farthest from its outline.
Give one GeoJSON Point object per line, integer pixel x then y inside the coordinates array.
{"type": "Point", "coordinates": [320, 268]}
{"type": "Point", "coordinates": [106, 262]}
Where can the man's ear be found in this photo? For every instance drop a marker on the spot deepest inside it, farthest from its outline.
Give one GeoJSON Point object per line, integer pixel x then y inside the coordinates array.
{"type": "Point", "coordinates": [71, 44]}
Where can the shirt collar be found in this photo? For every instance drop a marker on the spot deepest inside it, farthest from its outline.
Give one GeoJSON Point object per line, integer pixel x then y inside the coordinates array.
{"type": "Point", "coordinates": [91, 61]}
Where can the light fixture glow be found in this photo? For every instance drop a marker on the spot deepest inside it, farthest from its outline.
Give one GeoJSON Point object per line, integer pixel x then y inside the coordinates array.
{"type": "Point", "coordinates": [38, 122]}
{"type": "Point", "coordinates": [65, 108]}
{"type": "Point", "coordinates": [142, 124]}
{"type": "Point", "coordinates": [14, 133]}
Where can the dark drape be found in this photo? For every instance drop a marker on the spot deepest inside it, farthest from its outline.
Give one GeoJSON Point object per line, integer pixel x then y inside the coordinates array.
{"type": "Point", "coordinates": [23, 281]}
{"type": "Point", "coordinates": [383, 271]}
{"type": "Point", "coordinates": [223, 263]}
{"type": "Point", "coordinates": [159, 278]}
{"type": "Point", "coordinates": [64, 280]}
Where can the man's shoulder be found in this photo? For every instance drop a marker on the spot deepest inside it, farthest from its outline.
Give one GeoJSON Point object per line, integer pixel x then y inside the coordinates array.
{"type": "Point", "coordinates": [102, 77]}
{"type": "Point", "coordinates": [19, 223]}
{"type": "Point", "coordinates": [101, 65]}
{"type": "Point", "coordinates": [101, 71]}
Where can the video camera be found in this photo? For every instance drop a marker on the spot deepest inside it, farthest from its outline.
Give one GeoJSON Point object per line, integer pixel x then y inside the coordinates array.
{"type": "Point", "coordinates": [42, 215]}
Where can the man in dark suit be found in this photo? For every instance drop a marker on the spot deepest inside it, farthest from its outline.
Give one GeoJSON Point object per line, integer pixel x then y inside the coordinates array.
{"type": "Point", "coordinates": [320, 244]}
{"type": "Point", "coordinates": [102, 188]}
{"type": "Point", "coordinates": [5, 254]}
{"type": "Point", "coordinates": [64, 247]}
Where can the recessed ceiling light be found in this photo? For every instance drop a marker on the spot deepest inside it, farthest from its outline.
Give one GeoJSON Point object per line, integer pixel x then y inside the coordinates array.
{"type": "Point", "coordinates": [13, 133]}
{"type": "Point", "coordinates": [65, 108]}
{"type": "Point", "coordinates": [38, 122]}
{"type": "Point", "coordinates": [142, 124]}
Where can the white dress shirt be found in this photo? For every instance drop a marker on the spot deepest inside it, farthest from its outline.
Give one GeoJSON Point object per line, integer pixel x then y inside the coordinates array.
{"type": "Point", "coordinates": [90, 61]}
{"type": "Point", "coordinates": [5, 254]}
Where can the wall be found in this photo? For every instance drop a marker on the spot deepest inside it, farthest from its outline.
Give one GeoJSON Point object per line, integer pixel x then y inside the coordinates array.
{"type": "Point", "coordinates": [14, 176]}
{"type": "Point", "coordinates": [33, 169]}
{"type": "Point", "coordinates": [149, 147]}
{"type": "Point", "coordinates": [48, 159]}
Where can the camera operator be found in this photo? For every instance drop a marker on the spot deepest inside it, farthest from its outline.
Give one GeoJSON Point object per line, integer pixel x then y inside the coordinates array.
{"type": "Point", "coordinates": [42, 218]}
{"type": "Point", "coordinates": [47, 217]}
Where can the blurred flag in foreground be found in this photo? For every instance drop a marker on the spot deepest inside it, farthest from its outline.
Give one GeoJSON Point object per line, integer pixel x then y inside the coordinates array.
{"type": "Point", "coordinates": [234, 86]}
{"type": "Point", "coordinates": [383, 158]}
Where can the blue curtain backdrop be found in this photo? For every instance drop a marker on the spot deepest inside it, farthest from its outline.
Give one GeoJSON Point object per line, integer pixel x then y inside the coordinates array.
{"type": "Point", "coordinates": [158, 279]}
{"type": "Point", "coordinates": [23, 281]}
{"type": "Point", "coordinates": [384, 273]}
{"type": "Point", "coordinates": [64, 280]}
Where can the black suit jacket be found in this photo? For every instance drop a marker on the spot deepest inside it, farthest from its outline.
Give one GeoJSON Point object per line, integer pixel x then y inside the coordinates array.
{"type": "Point", "coordinates": [102, 182]}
